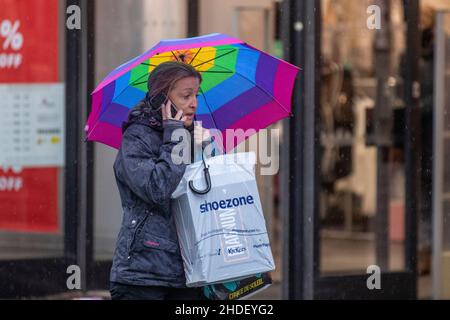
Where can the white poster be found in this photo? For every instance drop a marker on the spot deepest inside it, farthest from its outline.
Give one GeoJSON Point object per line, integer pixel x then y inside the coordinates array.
{"type": "Point", "coordinates": [32, 125]}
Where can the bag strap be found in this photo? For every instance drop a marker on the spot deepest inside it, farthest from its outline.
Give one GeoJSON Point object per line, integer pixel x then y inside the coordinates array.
{"type": "Point", "coordinates": [207, 178]}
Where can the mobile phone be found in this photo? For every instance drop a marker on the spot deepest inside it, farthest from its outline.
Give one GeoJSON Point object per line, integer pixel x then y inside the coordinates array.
{"type": "Point", "coordinates": [159, 99]}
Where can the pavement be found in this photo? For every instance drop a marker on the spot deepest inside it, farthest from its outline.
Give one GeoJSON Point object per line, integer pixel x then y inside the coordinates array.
{"type": "Point", "coordinates": [273, 292]}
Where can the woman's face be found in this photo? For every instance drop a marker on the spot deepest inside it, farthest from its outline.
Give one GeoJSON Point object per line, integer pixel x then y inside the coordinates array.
{"type": "Point", "coordinates": [184, 96]}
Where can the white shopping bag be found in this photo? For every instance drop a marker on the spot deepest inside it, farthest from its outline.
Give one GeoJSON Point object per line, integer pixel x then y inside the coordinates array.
{"type": "Point", "coordinates": [222, 233]}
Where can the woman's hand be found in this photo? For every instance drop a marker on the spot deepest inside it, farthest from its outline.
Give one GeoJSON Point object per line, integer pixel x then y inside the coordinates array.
{"type": "Point", "coordinates": [167, 113]}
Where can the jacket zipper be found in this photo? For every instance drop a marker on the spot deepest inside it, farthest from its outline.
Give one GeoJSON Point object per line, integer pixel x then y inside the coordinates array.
{"type": "Point", "coordinates": [137, 229]}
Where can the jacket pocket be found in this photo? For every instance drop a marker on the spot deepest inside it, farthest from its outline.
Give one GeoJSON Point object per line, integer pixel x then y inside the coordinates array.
{"type": "Point", "coordinates": [153, 241]}
{"type": "Point", "coordinates": [157, 255]}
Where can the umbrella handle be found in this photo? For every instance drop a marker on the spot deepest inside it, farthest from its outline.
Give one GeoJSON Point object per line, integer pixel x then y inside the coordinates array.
{"type": "Point", "coordinates": [208, 183]}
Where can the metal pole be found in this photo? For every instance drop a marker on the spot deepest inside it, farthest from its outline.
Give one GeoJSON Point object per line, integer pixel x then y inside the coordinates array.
{"type": "Point", "coordinates": [86, 236]}
{"type": "Point", "coordinates": [310, 150]}
{"type": "Point", "coordinates": [71, 170]}
{"type": "Point", "coordinates": [285, 32]}
{"type": "Point", "coordinates": [438, 152]}
{"type": "Point", "coordinates": [79, 155]}
{"type": "Point", "coordinates": [301, 41]}
{"type": "Point", "coordinates": [290, 177]}
{"type": "Point", "coordinates": [412, 136]}
{"type": "Point", "coordinates": [383, 129]}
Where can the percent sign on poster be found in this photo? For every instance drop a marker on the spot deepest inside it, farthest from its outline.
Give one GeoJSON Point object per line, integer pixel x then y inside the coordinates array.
{"type": "Point", "coordinates": [12, 40]}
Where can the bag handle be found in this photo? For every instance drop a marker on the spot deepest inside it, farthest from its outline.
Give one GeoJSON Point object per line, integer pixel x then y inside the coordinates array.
{"type": "Point", "coordinates": [207, 178]}
{"type": "Point", "coordinates": [208, 183]}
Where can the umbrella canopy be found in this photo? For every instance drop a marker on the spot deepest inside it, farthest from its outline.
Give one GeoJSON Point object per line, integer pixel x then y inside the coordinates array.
{"type": "Point", "coordinates": [242, 88]}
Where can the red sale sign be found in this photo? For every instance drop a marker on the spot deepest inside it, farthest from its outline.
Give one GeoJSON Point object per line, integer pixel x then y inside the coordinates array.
{"type": "Point", "coordinates": [29, 196]}
{"type": "Point", "coordinates": [28, 200]}
{"type": "Point", "coordinates": [28, 41]}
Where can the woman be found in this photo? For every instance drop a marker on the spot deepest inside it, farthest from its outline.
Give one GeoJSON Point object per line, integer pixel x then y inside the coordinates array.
{"type": "Point", "coordinates": [147, 262]}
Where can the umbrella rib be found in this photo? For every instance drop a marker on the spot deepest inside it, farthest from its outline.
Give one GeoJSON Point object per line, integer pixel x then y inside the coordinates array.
{"type": "Point", "coordinates": [217, 50]}
{"type": "Point", "coordinates": [215, 58]}
{"type": "Point", "coordinates": [174, 55]}
{"type": "Point", "coordinates": [226, 70]}
{"type": "Point", "coordinates": [148, 64]}
{"type": "Point", "coordinates": [207, 71]}
{"type": "Point", "coordinates": [195, 55]}
{"type": "Point", "coordinates": [95, 126]}
{"type": "Point", "coordinates": [134, 83]}
{"type": "Point", "coordinates": [138, 83]}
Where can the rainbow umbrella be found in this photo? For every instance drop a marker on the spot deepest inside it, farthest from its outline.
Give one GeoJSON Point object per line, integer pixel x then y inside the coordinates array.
{"type": "Point", "coordinates": [243, 87]}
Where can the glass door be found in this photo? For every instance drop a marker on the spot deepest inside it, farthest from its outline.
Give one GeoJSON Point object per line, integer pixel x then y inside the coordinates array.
{"type": "Point", "coordinates": [352, 169]}
{"type": "Point", "coordinates": [363, 207]}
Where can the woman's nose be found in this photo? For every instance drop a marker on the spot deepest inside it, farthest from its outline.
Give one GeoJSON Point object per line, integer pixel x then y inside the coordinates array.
{"type": "Point", "coordinates": [194, 103]}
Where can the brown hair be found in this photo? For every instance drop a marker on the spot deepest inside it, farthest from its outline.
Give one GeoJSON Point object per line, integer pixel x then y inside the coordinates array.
{"type": "Point", "coordinates": [164, 76]}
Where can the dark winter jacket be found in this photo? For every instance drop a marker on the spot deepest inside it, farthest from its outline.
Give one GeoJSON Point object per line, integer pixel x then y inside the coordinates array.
{"type": "Point", "coordinates": [147, 250]}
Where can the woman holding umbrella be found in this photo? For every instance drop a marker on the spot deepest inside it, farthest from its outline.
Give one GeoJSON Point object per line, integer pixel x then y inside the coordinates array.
{"type": "Point", "coordinates": [147, 262]}
{"type": "Point", "coordinates": [242, 88]}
